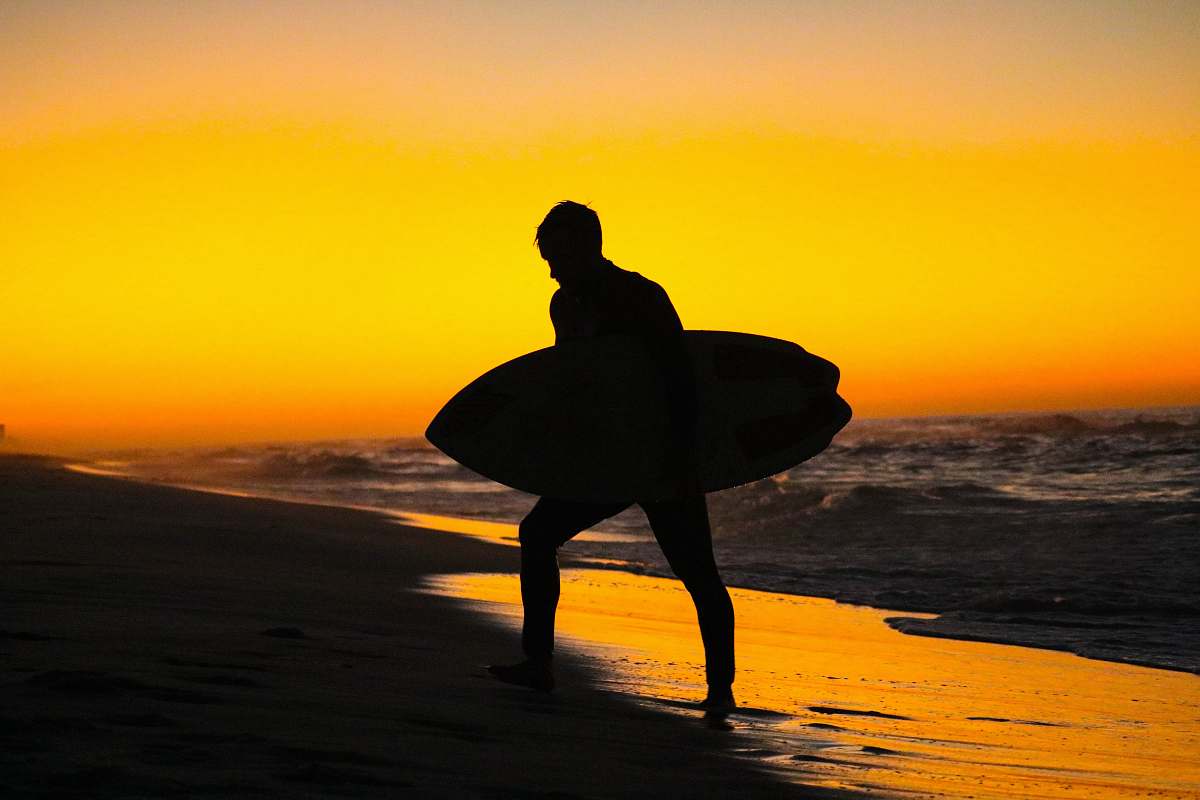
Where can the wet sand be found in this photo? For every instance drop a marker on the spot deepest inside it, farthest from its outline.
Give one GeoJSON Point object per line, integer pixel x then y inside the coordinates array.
{"type": "Point", "coordinates": [834, 697]}
{"type": "Point", "coordinates": [161, 642]}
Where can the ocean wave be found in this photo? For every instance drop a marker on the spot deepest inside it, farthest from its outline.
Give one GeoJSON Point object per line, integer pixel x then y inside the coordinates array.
{"type": "Point", "coordinates": [782, 507]}
{"type": "Point", "coordinates": [1155, 427]}
{"type": "Point", "coordinates": [879, 436]}
{"type": "Point", "coordinates": [346, 462]}
{"type": "Point", "coordinates": [1052, 424]}
{"type": "Point", "coordinates": [321, 464]}
{"type": "Point", "coordinates": [1009, 606]}
{"type": "Point", "coordinates": [410, 448]}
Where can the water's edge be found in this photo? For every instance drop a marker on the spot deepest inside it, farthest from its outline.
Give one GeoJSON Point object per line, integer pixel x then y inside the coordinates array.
{"type": "Point", "coordinates": [946, 625]}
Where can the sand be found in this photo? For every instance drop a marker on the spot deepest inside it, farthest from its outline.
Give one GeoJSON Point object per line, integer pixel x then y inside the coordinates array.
{"type": "Point", "coordinates": [157, 641]}
{"type": "Point", "coordinates": [835, 697]}
{"type": "Point", "coordinates": [160, 642]}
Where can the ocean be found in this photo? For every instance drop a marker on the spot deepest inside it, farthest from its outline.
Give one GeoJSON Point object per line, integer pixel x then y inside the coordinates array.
{"type": "Point", "coordinates": [1073, 531]}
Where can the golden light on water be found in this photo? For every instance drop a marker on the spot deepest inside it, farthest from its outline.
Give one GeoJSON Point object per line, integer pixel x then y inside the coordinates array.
{"type": "Point", "coordinates": [834, 697]}
{"type": "Point", "coordinates": [306, 221]}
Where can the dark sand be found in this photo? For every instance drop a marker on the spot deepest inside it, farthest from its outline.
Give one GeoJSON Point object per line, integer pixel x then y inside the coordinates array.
{"type": "Point", "coordinates": [160, 642]}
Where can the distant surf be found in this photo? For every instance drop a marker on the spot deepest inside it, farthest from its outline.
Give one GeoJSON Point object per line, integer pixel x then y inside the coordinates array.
{"type": "Point", "coordinates": [1077, 532]}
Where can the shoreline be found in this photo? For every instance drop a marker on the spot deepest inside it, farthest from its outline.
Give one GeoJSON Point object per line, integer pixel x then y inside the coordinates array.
{"type": "Point", "coordinates": [912, 621]}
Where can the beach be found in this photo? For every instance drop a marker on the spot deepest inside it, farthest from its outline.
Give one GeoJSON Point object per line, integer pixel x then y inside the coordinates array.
{"type": "Point", "coordinates": [159, 641]}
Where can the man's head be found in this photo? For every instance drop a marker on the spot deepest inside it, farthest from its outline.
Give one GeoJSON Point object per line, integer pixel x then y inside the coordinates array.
{"type": "Point", "coordinates": [570, 239]}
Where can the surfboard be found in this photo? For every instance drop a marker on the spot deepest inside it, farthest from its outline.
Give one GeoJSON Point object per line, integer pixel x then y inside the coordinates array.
{"type": "Point", "coordinates": [587, 419]}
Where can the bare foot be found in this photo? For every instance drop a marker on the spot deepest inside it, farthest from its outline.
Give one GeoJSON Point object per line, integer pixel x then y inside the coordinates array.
{"type": "Point", "coordinates": [719, 701]}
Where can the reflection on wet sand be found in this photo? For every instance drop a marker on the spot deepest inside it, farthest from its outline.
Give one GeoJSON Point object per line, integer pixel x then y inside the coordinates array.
{"type": "Point", "coordinates": [834, 697]}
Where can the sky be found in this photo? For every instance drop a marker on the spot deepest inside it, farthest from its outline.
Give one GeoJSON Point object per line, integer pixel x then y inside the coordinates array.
{"type": "Point", "coordinates": [225, 222]}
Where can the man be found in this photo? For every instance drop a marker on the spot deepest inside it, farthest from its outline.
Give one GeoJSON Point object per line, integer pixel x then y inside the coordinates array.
{"type": "Point", "coordinates": [597, 298]}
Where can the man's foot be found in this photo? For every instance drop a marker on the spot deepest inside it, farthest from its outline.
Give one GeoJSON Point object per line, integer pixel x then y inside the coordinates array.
{"type": "Point", "coordinates": [719, 701]}
{"type": "Point", "coordinates": [536, 676]}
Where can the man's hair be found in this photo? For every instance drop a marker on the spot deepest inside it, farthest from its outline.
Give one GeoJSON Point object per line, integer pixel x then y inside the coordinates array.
{"type": "Point", "coordinates": [571, 226]}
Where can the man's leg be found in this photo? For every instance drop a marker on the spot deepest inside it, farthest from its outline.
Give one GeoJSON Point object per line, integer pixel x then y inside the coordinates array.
{"type": "Point", "coordinates": [548, 525]}
{"type": "Point", "coordinates": [682, 529]}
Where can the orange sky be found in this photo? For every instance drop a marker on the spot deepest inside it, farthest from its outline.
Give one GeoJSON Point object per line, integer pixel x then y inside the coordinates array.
{"type": "Point", "coordinates": [315, 220]}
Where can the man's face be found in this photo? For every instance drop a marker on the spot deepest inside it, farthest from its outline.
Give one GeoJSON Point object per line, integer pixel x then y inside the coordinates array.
{"type": "Point", "coordinates": [566, 267]}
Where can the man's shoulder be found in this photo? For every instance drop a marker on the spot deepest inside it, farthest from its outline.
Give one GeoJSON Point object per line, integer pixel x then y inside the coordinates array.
{"type": "Point", "coordinates": [638, 282]}
{"type": "Point", "coordinates": [649, 301]}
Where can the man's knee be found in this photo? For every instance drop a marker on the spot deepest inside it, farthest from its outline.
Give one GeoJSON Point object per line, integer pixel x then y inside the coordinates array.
{"type": "Point", "coordinates": [535, 534]}
{"type": "Point", "coordinates": [700, 579]}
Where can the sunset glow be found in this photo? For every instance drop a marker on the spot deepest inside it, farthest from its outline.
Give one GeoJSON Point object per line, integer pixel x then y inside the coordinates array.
{"type": "Point", "coordinates": [291, 221]}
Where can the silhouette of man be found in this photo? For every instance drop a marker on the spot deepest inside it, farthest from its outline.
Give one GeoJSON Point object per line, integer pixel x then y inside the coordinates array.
{"type": "Point", "coordinates": [598, 298]}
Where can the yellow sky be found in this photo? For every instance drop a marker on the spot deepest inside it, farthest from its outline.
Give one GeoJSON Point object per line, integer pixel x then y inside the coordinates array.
{"type": "Point", "coordinates": [315, 220]}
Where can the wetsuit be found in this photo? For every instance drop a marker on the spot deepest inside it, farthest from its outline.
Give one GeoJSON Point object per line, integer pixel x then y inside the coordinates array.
{"type": "Point", "coordinates": [616, 301]}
